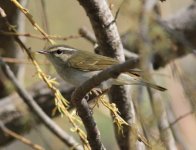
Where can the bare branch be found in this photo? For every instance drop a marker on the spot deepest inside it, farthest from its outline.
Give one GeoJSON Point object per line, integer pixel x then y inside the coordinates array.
{"type": "Point", "coordinates": [44, 16]}
{"type": "Point", "coordinates": [54, 37]}
{"type": "Point", "coordinates": [108, 40]}
{"type": "Point", "coordinates": [19, 137]}
{"type": "Point", "coordinates": [84, 32]}
{"type": "Point", "coordinates": [31, 20]}
{"type": "Point", "coordinates": [178, 119]}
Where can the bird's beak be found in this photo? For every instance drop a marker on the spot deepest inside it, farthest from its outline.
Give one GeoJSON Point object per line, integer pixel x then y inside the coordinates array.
{"type": "Point", "coordinates": [43, 52]}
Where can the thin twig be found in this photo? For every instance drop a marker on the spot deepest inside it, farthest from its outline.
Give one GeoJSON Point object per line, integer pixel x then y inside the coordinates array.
{"type": "Point", "coordinates": [178, 119]}
{"type": "Point", "coordinates": [44, 16]}
{"type": "Point", "coordinates": [89, 36]}
{"type": "Point", "coordinates": [118, 10]}
{"type": "Point", "coordinates": [19, 61]}
{"type": "Point", "coordinates": [84, 32]}
{"type": "Point", "coordinates": [54, 37]}
{"type": "Point", "coordinates": [30, 18]}
{"type": "Point", "coordinates": [19, 137]}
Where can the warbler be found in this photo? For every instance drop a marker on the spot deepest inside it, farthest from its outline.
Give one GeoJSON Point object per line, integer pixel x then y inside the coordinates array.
{"type": "Point", "coordinates": [77, 66]}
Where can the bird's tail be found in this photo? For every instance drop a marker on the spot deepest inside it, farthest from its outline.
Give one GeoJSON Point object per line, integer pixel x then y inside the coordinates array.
{"type": "Point", "coordinates": [141, 82]}
{"type": "Point", "coordinates": [130, 79]}
{"type": "Point", "coordinates": [154, 86]}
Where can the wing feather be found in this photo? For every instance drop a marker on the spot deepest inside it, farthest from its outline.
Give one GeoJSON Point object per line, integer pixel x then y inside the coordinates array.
{"type": "Point", "coordinates": [86, 61]}
{"type": "Point", "coordinates": [90, 62]}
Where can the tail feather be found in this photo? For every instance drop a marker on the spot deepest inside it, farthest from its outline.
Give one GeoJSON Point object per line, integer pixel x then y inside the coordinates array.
{"type": "Point", "coordinates": [130, 79]}
{"type": "Point", "coordinates": [143, 83]}
{"type": "Point", "coordinates": [154, 86]}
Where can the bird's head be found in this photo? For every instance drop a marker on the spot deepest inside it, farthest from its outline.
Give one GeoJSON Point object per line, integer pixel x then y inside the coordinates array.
{"type": "Point", "coordinates": [58, 54]}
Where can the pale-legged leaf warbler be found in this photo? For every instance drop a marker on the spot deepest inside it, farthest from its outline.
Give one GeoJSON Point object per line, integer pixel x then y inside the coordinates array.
{"type": "Point", "coordinates": [76, 66]}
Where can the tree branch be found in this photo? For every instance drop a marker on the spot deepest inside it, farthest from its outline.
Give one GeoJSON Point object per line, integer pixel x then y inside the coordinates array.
{"type": "Point", "coordinates": [108, 40]}
{"type": "Point", "coordinates": [19, 137]}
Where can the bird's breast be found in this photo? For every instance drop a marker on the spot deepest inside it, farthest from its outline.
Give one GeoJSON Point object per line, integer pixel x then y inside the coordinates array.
{"type": "Point", "coordinates": [74, 76]}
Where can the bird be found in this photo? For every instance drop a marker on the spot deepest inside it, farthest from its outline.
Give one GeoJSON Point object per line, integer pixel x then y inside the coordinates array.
{"type": "Point", "coordinates": [77, 66]}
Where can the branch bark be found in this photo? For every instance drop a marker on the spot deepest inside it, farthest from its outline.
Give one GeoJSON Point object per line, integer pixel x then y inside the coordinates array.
{"type": "Point", "coordinates": [108, 39]}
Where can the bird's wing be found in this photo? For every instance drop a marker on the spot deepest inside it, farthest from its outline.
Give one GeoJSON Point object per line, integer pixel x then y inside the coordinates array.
{"type": "Point", "coordinates": [86, 61]}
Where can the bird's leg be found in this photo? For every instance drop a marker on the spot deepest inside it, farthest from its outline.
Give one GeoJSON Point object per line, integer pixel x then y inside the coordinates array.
{"type": "Point", "coordinates": [93, 94]}
{"type": "Point", "coordinates": [98, 93]}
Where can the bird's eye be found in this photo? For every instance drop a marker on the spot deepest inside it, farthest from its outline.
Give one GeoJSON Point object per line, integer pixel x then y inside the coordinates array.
{"type": "Point", "coordinates": [59, 51]}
